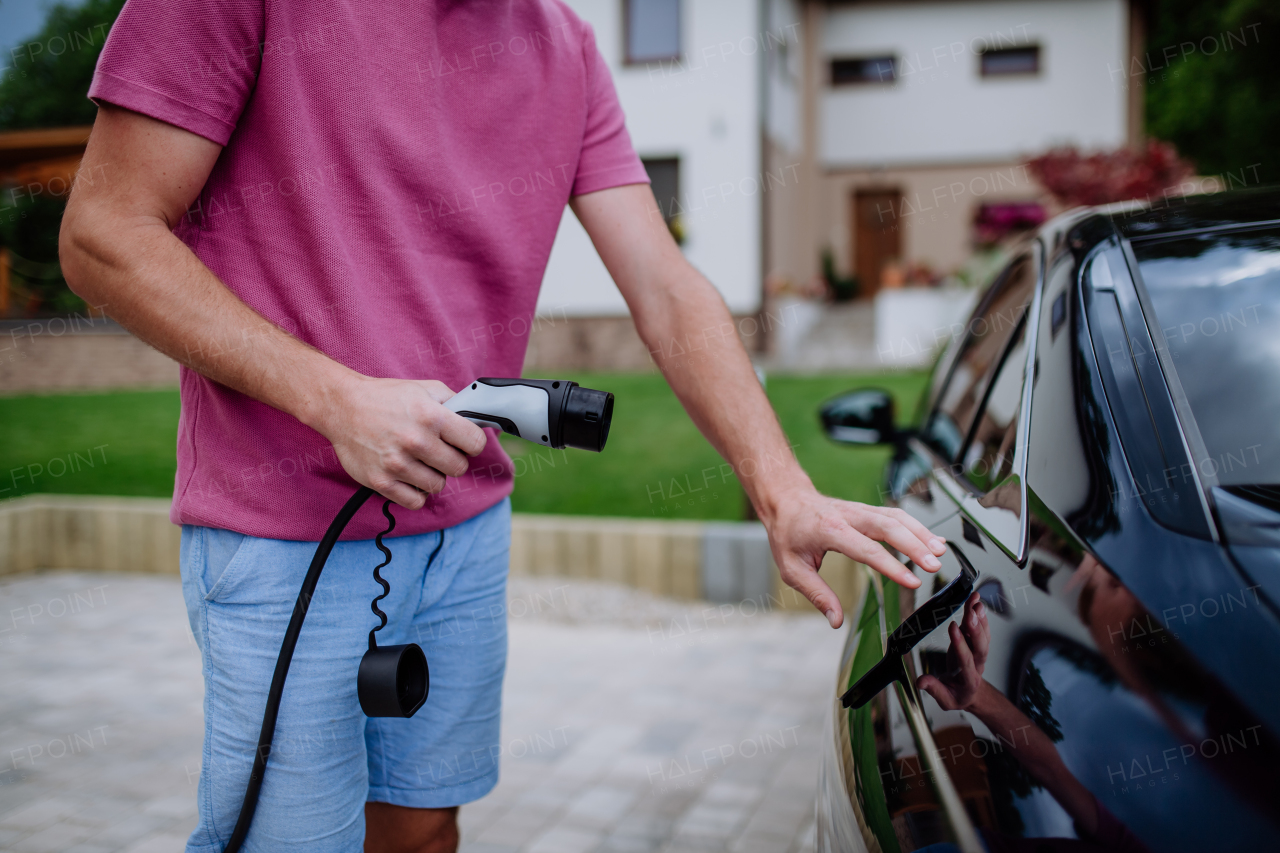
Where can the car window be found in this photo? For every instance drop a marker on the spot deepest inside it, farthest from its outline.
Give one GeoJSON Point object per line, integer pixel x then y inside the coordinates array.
{"type": "Point", "coordinates": [1216, 301]}
{"type": "Point", "coordinates": [990, 329]}
{"type": "Point", "coordinates": [989, 457]}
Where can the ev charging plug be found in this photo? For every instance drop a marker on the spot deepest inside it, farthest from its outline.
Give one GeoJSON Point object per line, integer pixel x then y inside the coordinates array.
{"type": "Point", "coordinates": [551, 412]}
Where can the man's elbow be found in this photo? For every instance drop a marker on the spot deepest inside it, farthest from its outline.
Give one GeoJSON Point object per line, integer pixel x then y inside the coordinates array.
{"type": "Point", "coordinates": [76, 238]}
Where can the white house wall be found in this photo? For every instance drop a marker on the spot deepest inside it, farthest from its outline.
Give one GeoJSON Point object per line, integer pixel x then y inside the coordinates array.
{"type": "Point", "coordinates": [704, 111]}
{"type": "Point", "coordinates": [784, 121]}
{"type": "Point", "coordinates": [942, 111]}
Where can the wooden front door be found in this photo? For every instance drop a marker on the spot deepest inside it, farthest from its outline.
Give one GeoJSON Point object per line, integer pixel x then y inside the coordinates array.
{"type": "Point", "coordinates": [876, 235]}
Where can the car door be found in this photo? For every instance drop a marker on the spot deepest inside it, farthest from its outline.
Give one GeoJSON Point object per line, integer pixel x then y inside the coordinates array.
{"type": "Point", "coordinates": [1113, 737]}
{"type": "Point", "coordinates": [1020, 571]}
{"type": "Point", "coordinates": [905, 797]}
{"type": "Point", "coordinates": [984, 401]}
{"type": "Point", "coordinates": [989, 534]}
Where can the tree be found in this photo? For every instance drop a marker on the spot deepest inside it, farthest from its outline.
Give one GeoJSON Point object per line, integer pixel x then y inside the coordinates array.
{"type": "Point", "coordinates": [1211, 81]}
{"type": "Point", "coordinates": [47, 81]}
{"type": "Point", "coordinates": [46, 84]}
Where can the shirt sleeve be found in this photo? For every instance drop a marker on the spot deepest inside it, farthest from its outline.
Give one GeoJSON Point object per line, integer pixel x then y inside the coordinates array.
{"type": "Point", "coordinates": [607, 158]}
{"type": "Point", "coordinates": [189, 63]}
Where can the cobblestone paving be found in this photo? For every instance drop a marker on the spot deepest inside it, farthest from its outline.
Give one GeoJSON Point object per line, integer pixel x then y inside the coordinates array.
{"type": "Point", "coordinates": [631, 723]}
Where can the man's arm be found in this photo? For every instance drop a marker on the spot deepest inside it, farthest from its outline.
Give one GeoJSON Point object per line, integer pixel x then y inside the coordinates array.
{"type": "Point", "coordinates": [672, 302]}
{"type": "Point", "coordinates": [118, 252]}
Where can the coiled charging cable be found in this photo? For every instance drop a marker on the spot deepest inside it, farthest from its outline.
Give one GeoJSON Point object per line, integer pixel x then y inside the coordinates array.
{"type": "Point", "coordinates": [305, 595]}
{"type": "Point", "coordinates": [377, 574]}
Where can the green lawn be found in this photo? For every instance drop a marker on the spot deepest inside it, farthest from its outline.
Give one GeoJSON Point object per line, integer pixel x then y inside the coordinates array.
{"type": "Point", "coordinates": [656, 463]}
{"type": "Point", "coordinates": [48, 442]}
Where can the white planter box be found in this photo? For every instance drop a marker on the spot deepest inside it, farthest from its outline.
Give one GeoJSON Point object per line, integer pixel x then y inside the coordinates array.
{"type": "Point", "coordinates": [912, 323]}
{"type": "Point", "coordinates": [797, 319]}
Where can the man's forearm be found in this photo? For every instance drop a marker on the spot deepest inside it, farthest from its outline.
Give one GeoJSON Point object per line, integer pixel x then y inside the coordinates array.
{"type": "Point", "coordinates": [391, 435]}
{"type": "Point", "coordinates": [154, 286]}
{"type": "Point", "coordinates": [693, 339]}
{"type": "Point", "coordinates": [691, 335]}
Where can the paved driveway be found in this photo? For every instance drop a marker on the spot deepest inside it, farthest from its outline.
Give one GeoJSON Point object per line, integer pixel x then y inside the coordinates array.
{"type": "Point", "coordinates": [631, 723]}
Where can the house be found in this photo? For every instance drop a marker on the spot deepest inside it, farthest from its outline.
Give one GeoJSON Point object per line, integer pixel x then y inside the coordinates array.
{"type": "Point", "coordinates": [891, 135]}
{"type": "Point", "coordinates": [687, 73]}
{"type": "Point", "coordinates": [917, 117]}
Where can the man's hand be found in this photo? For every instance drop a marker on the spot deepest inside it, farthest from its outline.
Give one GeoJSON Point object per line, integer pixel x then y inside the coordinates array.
{"type": "Point", "coordinates": [806, 525]}
{"type": "Point", "coordinates": [394, 436]}
{"type": "Point", "coordinates": [962, 685]}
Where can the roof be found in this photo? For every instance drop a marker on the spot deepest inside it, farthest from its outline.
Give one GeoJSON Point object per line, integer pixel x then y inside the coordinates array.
{"type": "Point", "coordinates": [1180, 214]}
{"type": "Point", "coordinates": [19, 147]}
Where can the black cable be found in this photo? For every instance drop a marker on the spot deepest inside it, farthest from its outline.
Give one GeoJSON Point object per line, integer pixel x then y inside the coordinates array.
{"type": "Point", "coordinates": [386, 587]}
{"type": "Point", "coordinates": [305, 595]}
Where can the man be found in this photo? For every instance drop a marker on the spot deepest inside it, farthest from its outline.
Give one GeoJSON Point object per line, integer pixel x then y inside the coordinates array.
{"type": "Point", "coordinates": [334, 217]}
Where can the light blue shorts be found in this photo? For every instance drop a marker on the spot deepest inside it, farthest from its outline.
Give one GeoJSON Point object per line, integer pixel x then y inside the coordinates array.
{"type": "Point", "coordinates": [328, 758]}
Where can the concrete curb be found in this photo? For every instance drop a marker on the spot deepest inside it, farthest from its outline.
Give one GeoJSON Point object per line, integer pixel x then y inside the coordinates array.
{"type": "Point", "coordinates": [721, 562]}
{"type": "Point", "coordinates": [88, 533]}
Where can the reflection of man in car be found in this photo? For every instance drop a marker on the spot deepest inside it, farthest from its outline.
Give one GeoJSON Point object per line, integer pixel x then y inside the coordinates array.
{"type": "Point", "coordinates": [962, 688]}
{"type": "Point", "coordinates": [1152, 664]}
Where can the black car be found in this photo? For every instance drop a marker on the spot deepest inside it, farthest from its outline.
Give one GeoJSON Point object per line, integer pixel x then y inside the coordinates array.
{"type": "Point", "coordinates": [1097, 664]}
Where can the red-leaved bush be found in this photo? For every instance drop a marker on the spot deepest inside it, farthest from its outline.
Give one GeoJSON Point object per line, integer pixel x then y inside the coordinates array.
{"type": "Point", "coordinates": [1108, 176]}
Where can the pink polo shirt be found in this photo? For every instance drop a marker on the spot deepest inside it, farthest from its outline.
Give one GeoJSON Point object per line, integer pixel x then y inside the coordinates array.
{"type": "Point", "coordinates": [389, 189]}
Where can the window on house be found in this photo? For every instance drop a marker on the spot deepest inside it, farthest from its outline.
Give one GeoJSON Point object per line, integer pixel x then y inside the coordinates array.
{"type": "Point", "coordinates": [664, 179]}
{"type": "Point", "coordinates": [865, 69]}
{"type": "Point", "coordinates": [1010, 61]}
{"type": "Point", "coordinates": [652, 30]}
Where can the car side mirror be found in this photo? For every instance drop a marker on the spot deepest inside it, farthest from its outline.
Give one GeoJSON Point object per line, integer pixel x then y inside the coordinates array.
{"type": "Point", "coordinates": [860, 417]}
